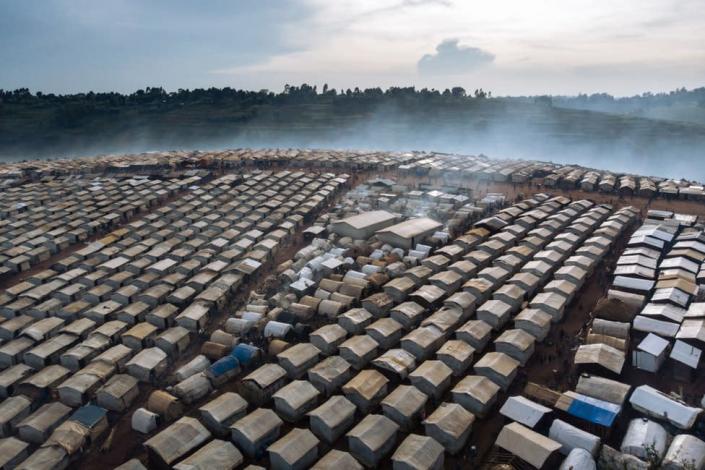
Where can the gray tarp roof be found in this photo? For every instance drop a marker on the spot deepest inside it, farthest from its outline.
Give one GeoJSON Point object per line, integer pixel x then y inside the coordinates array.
{"type": "Point", "coordinates": [178, 439]}
{"type": "Point", "coordinates": [216, 454]}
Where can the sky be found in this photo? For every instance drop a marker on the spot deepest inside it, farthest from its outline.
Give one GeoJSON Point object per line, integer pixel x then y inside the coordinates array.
{"type": "Point", "coordinates": [510, 47]}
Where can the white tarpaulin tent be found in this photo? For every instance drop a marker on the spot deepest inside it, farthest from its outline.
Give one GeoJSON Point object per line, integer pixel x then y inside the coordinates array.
{"type": "Point", "coordinates": [685, 452]}
{"type": "Point", "coordinates": [658, 405]}
{"type": "Point", "coordinates": [523, 410]}
{"type": "Point", "coordinates": [578, 459]}
{"type": "Point", "coordinates": [571, 438]}
{"type": "Point", "coordinates": [644, 436]}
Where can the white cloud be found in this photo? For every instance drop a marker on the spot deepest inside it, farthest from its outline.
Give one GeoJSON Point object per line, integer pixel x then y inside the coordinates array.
{"type": "Point", "coordinates": [453, 59]}
{"type": "Point", "coordinates": [538, 45]}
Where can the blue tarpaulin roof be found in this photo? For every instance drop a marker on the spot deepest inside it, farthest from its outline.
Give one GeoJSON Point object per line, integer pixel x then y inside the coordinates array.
{"type": "Point", "coordinates": [89, 415]}
{"type": "Point", "coordinates": [593, 410]}
{"type": "Point", "coordinates": [245, 353]}
{"type": "Point", "coordinates": [224, 365]}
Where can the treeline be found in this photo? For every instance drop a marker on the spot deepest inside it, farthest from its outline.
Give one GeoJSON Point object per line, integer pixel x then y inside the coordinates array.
{"type": "Point", "coordinates": [291, 94]}
{"type": "Point", "coordinates": [47, 124]}
{"type": "Point", "coordinates": [311, 94]}
{"type": "Point", "coordinates": [73, 111]}
{"type": "Point", "coordinates": [608, 103]}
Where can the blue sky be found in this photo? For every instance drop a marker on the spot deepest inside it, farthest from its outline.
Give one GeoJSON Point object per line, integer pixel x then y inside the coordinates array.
{"type": "Point", "coordinates": [507, 46]}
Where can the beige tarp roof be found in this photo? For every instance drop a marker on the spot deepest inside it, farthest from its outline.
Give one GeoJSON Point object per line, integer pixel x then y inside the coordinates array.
{"type": "Point", "coordinates": [367, 219]}
{"type": "Point", "coordinates": [603, 389]}
{"type": "Point", "coordinates": [526, 444]}
{"type": "Point", "coordinates": [606, 356]}
{"type": "Point", "coordinates": [216, 454]}
{"type": "Point", "coordinates": [477, 386]}
{"type": "Point", "coordinates": [412, 227]}
{"type": "Point", "coordinates": [499, 362]}
{"type": "Point", "coordinates": [367, 384]}
{"type": "Point", "coordinates": [398, 361]}
{"type": "Point", "coordinates": [520, 339]}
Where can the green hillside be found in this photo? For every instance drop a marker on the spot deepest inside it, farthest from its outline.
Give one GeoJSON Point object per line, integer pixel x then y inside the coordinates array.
{"type": "Point", "coordinates": [36, 125]}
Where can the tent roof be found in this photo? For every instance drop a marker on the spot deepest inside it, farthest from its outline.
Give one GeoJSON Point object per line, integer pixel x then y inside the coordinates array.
{"type": "Point", "coordinates": [603, 389]}
{"type": "Point", "coordinates": [523, 410]}
{"type": "Point", "coordinates": [367, 219]}
{"type": "Point", "coordinates": [412, 227]}
{"type": "Point", "coordinates": [685, 448]}
{"type": "Point", "coordinates": [499, 362]}
{"type": "Point", "coordinates": [177, 439]}
{"type": "Point", "coordinates": [590, 409]}
{"type": "Point", "coordinates": [526, 444]}
{"type": "Point", "coordinates": [654, 345]}
{"type": "Point", "coordinates": [478, 386]}
{"type": "Point", "coordinates": [657, 404]}
{"type": "Point", "coordinates": [606, 356]}
{"type": "Point", "coordinates": [686, 354]}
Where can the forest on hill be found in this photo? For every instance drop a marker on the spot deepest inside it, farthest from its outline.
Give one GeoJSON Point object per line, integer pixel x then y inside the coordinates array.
{"type": "Point", "coordinates": [587, 129]}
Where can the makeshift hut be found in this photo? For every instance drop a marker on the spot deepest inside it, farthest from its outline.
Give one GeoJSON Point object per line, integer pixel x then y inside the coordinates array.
{"type": "Point", "coordinates": [404, 405]}
{"type": "Point", "coordinates": [530, 446]}
{"type": "Point", "coordinates": [498, 367]}
{"type": "Point", "coordinates": [432, 377]}
{"type": "Point", "coordinates": [476, 394]}
{"type": "Point", "coordinates": [366, 389]}
{"type": "Point", "coordinates": [254, 432]}
{"type": "Point", "coordinates": [216, 454]}
{"type": "Point", "coordinates": [220, 413]}
{"type": "Point", "coordinates": [337, 459]}
{"type": "Point", "coordinates": [650, 353]}
{"type": "Point", "coordinates": [524, 411]}
{"type": "Point", "coordinates": [685, 452]}
{"type": "Point", "coordinates": [332, 419]}
{"type": "Point", "coordinates": [571, 438]}
{"type": "Point", "coordinates": [297, 450]}
{"type": "Point", "coordinates": [644, 437]}
{"type": "Point", "coordinates": [176, 441]}
{"type": "Point", "coordinates": [450, 425]}
{"type": "Point", "coordinates": [418, 452]}
{"type": "Point", "coordinates": [658, 405]}
{"type": "Point", "coordinates": [295, 399]}
{"type": "Point", "coordinates": [259, 386]}
{"type": "Point", "coordinates": [372, 439]}
{"type": "Point", "coordinates": [148, 365]}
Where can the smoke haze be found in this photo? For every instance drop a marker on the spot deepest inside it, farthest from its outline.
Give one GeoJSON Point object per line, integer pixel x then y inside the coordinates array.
{"type": "Point", "coordinates": [516, 131]}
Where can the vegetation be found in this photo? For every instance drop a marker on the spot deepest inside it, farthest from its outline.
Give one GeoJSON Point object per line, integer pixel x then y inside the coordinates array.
{"type": "Point", "coordinates": [47, 125]}
{"type": "Point", "coordinates": [676, 105]}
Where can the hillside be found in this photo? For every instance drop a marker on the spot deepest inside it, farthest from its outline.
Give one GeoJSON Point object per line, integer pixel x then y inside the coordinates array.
{"type": "Point", "coordinates": [678, 105]}
{"type": "Point", "coordinates": [396, 119]}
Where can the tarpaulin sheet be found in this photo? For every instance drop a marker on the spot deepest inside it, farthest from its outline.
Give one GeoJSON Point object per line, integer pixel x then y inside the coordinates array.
{"type": "Point", "coordinates": [594, 411]}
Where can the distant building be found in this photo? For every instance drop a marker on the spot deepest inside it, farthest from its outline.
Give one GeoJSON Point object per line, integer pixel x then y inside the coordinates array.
{"type": "Point", "coordinates": [407, 234]}
{"type": "Point", "coordinates": [363, 226]}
